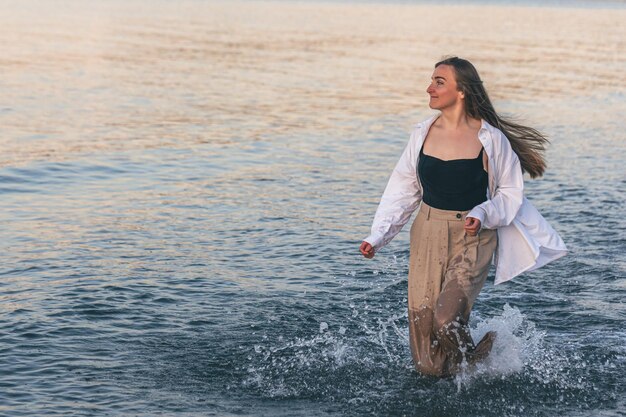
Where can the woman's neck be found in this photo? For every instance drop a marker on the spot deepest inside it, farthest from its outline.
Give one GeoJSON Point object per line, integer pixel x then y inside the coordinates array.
{"type": "Point", "coordinates": [456, 118]}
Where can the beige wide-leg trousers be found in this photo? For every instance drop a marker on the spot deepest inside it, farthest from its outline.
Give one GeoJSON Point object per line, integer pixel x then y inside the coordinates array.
{"type": "Point", "coordinates": [447, 269]}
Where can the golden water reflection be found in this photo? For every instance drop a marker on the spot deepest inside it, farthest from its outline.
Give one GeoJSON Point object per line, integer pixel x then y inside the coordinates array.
{"type": "Point", "coordinates": [124, 76]}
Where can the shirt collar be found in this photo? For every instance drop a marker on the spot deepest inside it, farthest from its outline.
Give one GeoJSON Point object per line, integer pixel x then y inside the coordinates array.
{"type": "Point", "coordinates": [483, 125]}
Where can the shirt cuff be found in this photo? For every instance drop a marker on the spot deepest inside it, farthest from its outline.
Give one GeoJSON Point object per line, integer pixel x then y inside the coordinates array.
{"type": "Point", "coordinates": [374, 240]}
{"type": "Point", "coordinates": [478, 213]}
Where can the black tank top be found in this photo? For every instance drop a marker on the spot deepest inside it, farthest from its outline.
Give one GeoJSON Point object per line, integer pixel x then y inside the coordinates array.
{"type": "Point", "coordinates": [458, 184]}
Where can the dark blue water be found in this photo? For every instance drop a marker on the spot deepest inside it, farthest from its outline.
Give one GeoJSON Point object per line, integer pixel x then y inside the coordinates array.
{"type": "Point", "coordinates": [157, 264]}
{"type": "Point", "coordinates": [158, 283]}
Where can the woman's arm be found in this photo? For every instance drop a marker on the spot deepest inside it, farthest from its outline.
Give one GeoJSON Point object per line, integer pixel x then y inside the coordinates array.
{"type": "Point", "coordinates": [400, 199]}
{"type": "Point", "coordinates": [502, 207]}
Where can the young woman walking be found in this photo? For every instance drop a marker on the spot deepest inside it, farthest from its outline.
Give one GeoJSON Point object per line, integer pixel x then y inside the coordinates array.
{"type": "Point", "coordinates": [463, 168]}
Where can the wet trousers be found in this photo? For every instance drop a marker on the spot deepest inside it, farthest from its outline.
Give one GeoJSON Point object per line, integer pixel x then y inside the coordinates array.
{"type": "Point", "coordinates": [447, 270]}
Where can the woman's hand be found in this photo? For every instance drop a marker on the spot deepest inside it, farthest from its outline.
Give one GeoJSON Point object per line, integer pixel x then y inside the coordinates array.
{"type": "Point", "coordinates": [367, 250]}
{"type": "Point", "coordinates": [472, 226]}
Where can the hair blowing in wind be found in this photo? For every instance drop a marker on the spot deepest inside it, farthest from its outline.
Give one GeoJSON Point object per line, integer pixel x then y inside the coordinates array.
{"type": "Point", "coordinates": [528, 143]}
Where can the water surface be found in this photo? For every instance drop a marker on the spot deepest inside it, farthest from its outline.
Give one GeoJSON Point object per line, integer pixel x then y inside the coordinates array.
{"type": "Point", "coordinates": [185, 186]}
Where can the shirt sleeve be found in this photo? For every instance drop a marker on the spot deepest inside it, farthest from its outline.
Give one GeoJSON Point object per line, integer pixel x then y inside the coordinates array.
{"type": "Point", "coordinates": [400, 198]}
{"type": "Point", "coordinates": [502, 207]}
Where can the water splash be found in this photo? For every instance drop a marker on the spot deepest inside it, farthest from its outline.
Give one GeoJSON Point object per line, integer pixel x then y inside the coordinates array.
{"type": "Point", "coordinates": [277, 369]}
{"type": "Point", "coordinates": [520, 349]}
{"type": "Point", "coordinates": [517, 342]}
{"type": "Point", "coordinates": [370, 347]}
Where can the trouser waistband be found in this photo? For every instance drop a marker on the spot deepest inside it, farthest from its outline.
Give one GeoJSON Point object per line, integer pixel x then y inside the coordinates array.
{"type": "Point", "coordinates": [439, 214]}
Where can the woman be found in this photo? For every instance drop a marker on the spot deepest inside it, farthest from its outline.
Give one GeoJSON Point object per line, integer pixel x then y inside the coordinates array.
{"type": "Point", "coordinates": [463, 168]}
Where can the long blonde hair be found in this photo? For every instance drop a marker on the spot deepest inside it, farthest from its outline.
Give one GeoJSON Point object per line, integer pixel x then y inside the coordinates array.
{"type": "Point", "coordinates": [528, 143]}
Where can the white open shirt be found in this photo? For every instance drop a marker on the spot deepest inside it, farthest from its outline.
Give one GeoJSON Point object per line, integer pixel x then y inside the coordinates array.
{"type": "Point", "coordinates": [525, 239]}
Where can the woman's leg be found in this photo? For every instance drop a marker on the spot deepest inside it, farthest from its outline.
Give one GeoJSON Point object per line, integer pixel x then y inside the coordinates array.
{"type": "Point", "coordinates": [450, 325]}
{"type": "Point", "coordinates": [464, 278]}
{"type": "Point", "coordinates": [426, 270]}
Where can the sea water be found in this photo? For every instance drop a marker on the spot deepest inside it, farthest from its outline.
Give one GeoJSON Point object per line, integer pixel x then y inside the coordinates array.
{"type": "Point", "coordinates": [185, 185]}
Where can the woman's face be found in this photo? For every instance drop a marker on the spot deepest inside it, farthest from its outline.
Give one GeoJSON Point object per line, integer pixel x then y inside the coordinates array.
{"type": "Point", "coordinates": [443, 89]}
